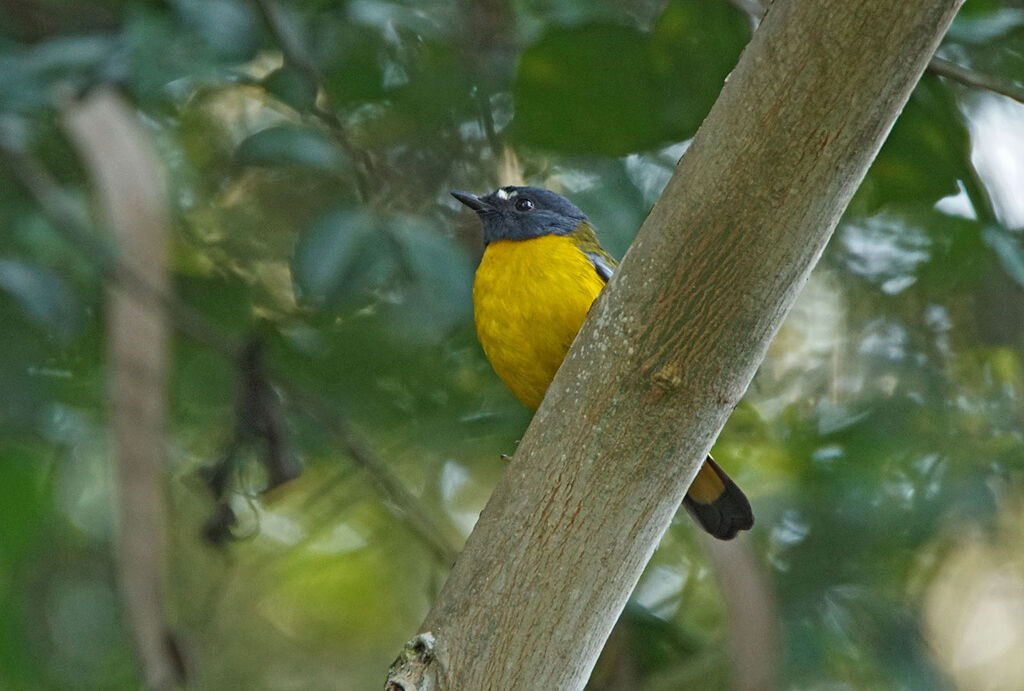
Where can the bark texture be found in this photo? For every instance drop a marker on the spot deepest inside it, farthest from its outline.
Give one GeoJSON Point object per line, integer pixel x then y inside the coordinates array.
{"type": "Point", "coordinates": [672, 344]}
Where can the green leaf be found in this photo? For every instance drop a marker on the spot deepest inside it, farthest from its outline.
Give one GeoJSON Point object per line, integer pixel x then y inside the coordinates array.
{"type": "Point", "coordinates": [436, 90]}
{"type": "Point", "coordinates": [924, 155]}
{"type": "Point", "coordinates": [976, 8]}
{"type": "Point", "coordinates": [611, 201]}
{"type": "Point", "coordinates": [339, 257]}
{"type": "Point", "coordinates": [610, 89]}
{"type": "Point", "coordinates": [423, 279]}
{"type": "Point", "coordinates": [958, 255]}
{"type": "Point", "coordinates": [290, 86]}
{"type": "Point", "coordinates": [44, 297]}
{"type": "Point", "coordinates": [694, 46]}
{"type": "Point", "coordinates": [163, 57]}
{"type": "Point", "coordinates": [588, 89]}
{"type": "Point", "coordinates": [228, 27]}
{"type": "Point", "coordinates": [29, 74]}
{"type": "Point", "coordinates": [23, 494]}
{"type": "Point", "coordinates": [353, 64]}
{"type": "Point", "coordinates": [439, 280]}
{"type": "Point", "coordinates": [287, 144]}
{"type": "Point", "coordinates": [224, 300]}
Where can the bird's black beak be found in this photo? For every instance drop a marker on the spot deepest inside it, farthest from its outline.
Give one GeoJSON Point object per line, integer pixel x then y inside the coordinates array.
{"type": "Point", "coordinates": [472, 201]}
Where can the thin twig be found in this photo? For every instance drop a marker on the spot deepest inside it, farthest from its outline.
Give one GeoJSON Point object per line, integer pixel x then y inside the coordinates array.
{"type": "Point", "coordinates": [755, 10]}
{"type": "Point", "coordinates": [980, 80]}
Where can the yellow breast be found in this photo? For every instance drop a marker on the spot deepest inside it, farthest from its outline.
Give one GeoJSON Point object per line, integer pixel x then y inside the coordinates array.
{"type": "Point", "coordinates": [530, 298]}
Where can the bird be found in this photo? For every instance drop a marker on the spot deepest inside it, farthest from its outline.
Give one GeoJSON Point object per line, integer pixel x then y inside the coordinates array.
{"type": "Point", "coordinates": [541, 270]}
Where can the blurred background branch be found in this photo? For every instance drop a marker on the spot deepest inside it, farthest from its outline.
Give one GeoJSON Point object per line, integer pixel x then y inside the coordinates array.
{"type": "Point", "coordinates": [973, 78]}
{"type": "Point", "coordinates": [131, 189]}
{"type": "Point", "coordinates": [752, 612]}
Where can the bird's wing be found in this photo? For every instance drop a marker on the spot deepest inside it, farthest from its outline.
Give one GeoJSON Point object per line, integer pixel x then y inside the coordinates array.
{"type": "Point", "coordinates": [586, 240]}
{"type": "Point", "coordinates": [604, 268]}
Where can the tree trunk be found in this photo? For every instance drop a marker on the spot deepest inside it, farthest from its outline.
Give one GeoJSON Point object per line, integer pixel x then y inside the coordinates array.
{"type": "Point", "coordinates": [671, 346]}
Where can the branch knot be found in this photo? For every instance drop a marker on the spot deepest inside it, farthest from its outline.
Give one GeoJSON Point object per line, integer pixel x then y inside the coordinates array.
{"type": "Point", "coordinates": [668, 378]}
{"type": "Point", "coordinates": [413, 669]}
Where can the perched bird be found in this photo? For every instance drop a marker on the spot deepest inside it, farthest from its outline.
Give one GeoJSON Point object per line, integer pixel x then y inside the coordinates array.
{"type": "Point", "coordinates": [542, 269]}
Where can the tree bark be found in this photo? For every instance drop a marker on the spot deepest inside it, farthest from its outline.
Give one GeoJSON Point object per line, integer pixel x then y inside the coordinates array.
{"type": "Point", "coordinates": [671, 345]}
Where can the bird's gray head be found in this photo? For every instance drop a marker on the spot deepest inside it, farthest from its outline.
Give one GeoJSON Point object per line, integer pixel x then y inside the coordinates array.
{"type": "Point", "coordinates": [522, 213]}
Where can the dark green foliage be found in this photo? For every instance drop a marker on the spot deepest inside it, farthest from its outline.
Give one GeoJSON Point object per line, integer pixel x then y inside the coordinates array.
{"type": "Point", "coordinates": [309, 186]}
{"type": "Point", "coordinates": [926, 153]}
{"type": "Point", "coordinates": [286, 144]}
{"type": "Point", "coordinates": [611, 89]}
{"type": "Point", "coordinates": [289, 85]}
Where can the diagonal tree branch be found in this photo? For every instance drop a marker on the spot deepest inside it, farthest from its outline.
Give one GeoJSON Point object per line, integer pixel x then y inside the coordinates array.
{"type": "Point", "coordinates": [673, 341]}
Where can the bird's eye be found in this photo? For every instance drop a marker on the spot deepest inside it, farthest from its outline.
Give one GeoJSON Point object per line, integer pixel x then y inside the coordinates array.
{"type": "Point", "coordinates": [523, 204]}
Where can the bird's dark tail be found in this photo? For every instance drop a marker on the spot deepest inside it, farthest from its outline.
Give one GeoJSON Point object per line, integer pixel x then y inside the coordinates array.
{"type": "Point", "coordinates": [717, 503]}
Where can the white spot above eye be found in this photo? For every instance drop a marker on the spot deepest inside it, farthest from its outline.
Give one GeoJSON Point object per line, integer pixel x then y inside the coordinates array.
{"type": "Point", "coordinates": [506, 194]}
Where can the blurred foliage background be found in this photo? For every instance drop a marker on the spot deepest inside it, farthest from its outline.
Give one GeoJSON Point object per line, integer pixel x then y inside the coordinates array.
{"type": "Point", "coordinates": [311, 145]}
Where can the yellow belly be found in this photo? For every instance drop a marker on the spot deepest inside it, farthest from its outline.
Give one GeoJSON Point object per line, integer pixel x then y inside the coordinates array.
{"type": "Point", "coordinates": [530, 298]}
